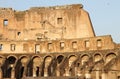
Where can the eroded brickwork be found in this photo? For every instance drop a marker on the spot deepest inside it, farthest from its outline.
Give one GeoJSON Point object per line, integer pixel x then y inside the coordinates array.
{"type": "Point", "coordinates": [48, 23]}
{"type": "Point", "coordinates": [53, 43]}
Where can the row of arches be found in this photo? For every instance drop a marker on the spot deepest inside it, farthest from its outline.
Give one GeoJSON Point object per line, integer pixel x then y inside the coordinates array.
{"type": "Point", "coordinates": [58, 65]}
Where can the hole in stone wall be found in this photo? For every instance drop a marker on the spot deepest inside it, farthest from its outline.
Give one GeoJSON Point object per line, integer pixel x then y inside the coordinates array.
{"type": "Point", "coordinates": [18, 33]}
{"type": "Point", "coordinates": [5, 22]}
{"type": "Point", "coordinates": [59, 59]}
{"type": "Point", "coordinates": [49, 46]}
{"type": "Point", "coordinates": [11, 60]}
{"type": "Point", "coordinates": [74, 45]}
{"type": "Point", "coordinates": [1, 47]}
{"type": "Point", "coordinates": [62, 45]}
{"type": "Point", "coordinates": [13, 47]}
{"type": "Point", "coordinates": [59, 20]}
{"type": "Point", "coordinates": [37, 48]}
{"type": "Point", "coordinates": [87, 44]}
{"type": "Point", "coordinates": [99, 43]}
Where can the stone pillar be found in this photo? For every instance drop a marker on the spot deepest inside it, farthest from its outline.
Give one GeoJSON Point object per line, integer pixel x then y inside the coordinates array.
{"type": "Point", "coordinates": [79, 73]}
{"type": "Point", "coordinates": [34, 72]}
{"type": "Point", "coordinates": [67, 72]}
{"type": "Point", "coordinates": [112, 75]}
{"type": "Point", "coordinates": [97, 74]}
{"type": "Point", "coordinates": [40, 72]}
{"type": "Point", "coordinates": [1, 74]}
{"type": "Point", "coordinates": [87, 75]}
{"type": "Point", "coordinates": [24, 72]}
{"type": "Point", "coordinates": [13, 73]}
{"type": "Point", "coordinates": [45, 72]}
{"type": "Point", "coordinates": [104, 75]}
{"type": "Point", "coordinates": [58, 71]}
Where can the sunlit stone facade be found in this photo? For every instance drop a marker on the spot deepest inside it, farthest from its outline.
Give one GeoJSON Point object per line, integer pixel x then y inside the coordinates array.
{"type": "Point", "coordinates": [55, 43]}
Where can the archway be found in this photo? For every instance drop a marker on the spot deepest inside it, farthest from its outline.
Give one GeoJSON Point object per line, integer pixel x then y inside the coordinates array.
{"type": "Point", "coordinates": [47, 62]}
{"type": "Point", "coordinates": [36, 66]}
{"type": "Point", "coordinates": [8, 66]}
{"type": "Point", "coordinates": [59, 64]}
{"type": "Point", "coordinates": [71, 65]}
{"type": "Point", "coordinates": [60, 59]}
{"type": "Point", "coordinates": [84, 59]}
{"type": "Point", "coordinates": [97, 57]}
{"type": "Point", "coordinates": [109, 57]}
{"type": "Point", "coordinates": [21, 67]}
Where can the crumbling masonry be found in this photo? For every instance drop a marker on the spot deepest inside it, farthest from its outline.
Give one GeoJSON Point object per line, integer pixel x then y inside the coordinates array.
{"type": "Point", "coordinates": [55, 43]}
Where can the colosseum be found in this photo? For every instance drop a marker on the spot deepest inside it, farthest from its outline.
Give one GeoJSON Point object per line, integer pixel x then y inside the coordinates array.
{"type": "Point", "coordinates": [55, 42]}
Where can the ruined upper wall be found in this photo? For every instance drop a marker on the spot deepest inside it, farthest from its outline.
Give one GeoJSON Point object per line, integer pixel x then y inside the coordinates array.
{"type": "Point", "coordinates": [74, 6]}
{"type": "Point", "coordinates": [59, 46]}
{"type": "Point", "coordinates": [56, 22]}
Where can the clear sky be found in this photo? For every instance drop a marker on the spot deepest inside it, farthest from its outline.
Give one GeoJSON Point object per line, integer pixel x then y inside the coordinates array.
{"type": "Point", "coordinates": [105, 14]}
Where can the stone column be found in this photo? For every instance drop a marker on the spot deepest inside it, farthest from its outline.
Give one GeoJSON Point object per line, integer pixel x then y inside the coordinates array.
{"type": "Point", "coordinates": [97, 74]}
{"type": "Point", "coordinates": [1, 74]}
{"type": "Point", "coordinates": [34, 72]}
{"type": "Point", "coordinates": [45, 72]}
{"type": "Point", "coordinates": [87, 75]}
{"type": "Point", "coordinates": [76, 71]}
{"type": "Point", "coordinates": [58, 71]}
{"type": "Point", "coordinates": [13, 73]}
{"type": "Point", "coordinates": [67, 72]}
{"type": "Point", "coordinates": [79, 73]}
{"type": "Point", "coordinates": [24, 72]}
{"type": "Point", "coordinates": [104, 75]}
{"type": "Point", "coordinates": [40, 70]}
{"type": "Point", "coordinates": [112, 75]}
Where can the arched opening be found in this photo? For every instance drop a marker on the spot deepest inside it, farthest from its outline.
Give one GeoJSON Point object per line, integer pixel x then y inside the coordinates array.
{"type": "Point", "coordinates": [8, 66]}
{"type": "Point", "coordinates": [21, 67]}
{"type": "Point", "coordinates": [72, 58]}
{"type": "Point", "coordinates": [97, 57]}
{"type": "Point", "coordinates": [58, 65]}
{"type": "Point", "coordinates": [60, 59]}
{"type": "Point", "coordinates": [84, 59]}
{"type": "Point", "coordinates": [5, 22]}
{"type": "Point", "coordinates": [47, 66]}
{"type": "Point", "coordinates": [19, 70]}
{"type": "Point", "coordinates": [36, 66]}
{"type": "Point", "coordinates": [109, 57]}
{"type": "Point", "coordinates": [71, 65]}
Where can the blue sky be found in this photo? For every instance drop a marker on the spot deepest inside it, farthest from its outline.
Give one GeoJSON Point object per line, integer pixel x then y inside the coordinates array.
{"type": "Point", "coordinates": [105, 14]}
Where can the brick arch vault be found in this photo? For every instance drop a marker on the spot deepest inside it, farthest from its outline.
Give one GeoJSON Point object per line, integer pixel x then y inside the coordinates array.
{"type": "Point", "coordinates": [57, 64]}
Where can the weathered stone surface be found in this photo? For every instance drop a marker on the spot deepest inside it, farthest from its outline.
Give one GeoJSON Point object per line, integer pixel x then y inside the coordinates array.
{"type": "Point", "coordinates": [48, 23]}
{"type": "Point", "coordinates": [55, 43]}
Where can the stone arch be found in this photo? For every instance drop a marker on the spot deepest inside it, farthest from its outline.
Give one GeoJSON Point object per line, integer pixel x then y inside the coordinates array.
{"type": "Point", "coordinates": [110, 56]}
{"type": "Point", "coordinates": [12, 59]}
{"type": "Point", "coordinates": [60, 58]}
{"type": "Point", "coordinates": [24, 59]}
{"type": "Point", "coordinates": [47, 60]}
{"type": "Point", "coordinates": [70, 69]}
{"type": "Point", "coordinates": [22, 56]}
{"type": "Point", "coordinates": [21, 67]}
{"type": "Point", "coordinates": [9, 66]}
{"type": "Point", "coordinates": [97, 57]}
{"type": "Point", "coordinates": [85, 54]}
{"type": "Point", "coordinates": [36, 60]}
{"type": "Point", "coordinates": [35, 66]}
{"type": "Point", "coordinates": [84, 58]}
{"type": "Point", "coordinates": [12, 56]}
{"type": "Point", "coordinates": [47, 65]}
{"type": "Point", "coordinates": [72, 58]}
